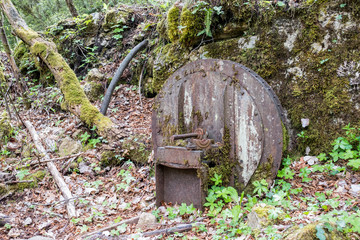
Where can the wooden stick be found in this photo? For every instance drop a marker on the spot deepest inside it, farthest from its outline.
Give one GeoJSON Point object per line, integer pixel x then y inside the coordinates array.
{"type": "Point", "coordinates": [53, 170]}
{"type": "Point", "coordinates": [167, 231]}
{"type": "Point", "coordinates": [51, 160]}
{"type": "Point", "coordinates": [127, 221]}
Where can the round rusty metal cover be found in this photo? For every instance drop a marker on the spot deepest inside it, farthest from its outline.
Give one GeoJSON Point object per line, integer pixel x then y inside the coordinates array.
{"type": "Point", "coordinates": [216, 95]}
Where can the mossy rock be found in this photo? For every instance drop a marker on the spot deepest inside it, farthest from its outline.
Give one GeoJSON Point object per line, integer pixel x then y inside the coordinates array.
{"type": "Point", "coordinates": [6, 129]}
{"type": "Point", "coordinates": [3, 189]}
{"type": "Point", "coordinates": [168, 59]}
{"type": "Point", "coordinates": [114, 17]}
{"type": "Point", "coordinates": [108, 158]}
{"type": "Point", "coordinates": [173, 22]}
{"type": "Point", "coordinates": [136, 150]}
{"type": "Point", "coordinates": [35, 178]}
{"type": "Point", "coordinates": [93, 90]}
{"type": "Point", "coordinates": [258, 218]}
{"type": "Point", "coordinates": [309, 231]}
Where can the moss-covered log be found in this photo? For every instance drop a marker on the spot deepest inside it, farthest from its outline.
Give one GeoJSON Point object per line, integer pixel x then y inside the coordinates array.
{"type": "Point", "coordinates": [75, 98]}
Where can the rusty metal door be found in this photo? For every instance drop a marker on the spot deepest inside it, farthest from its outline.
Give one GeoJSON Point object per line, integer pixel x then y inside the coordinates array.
{"type": "Point", "coordinates": [219, 95]}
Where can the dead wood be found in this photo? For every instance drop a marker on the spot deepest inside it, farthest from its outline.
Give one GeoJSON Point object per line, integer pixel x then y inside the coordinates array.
{"type": "Point", "coordinates": [167, 231]}
{"type": "Point", "coordinates": [127, 221]}
{"type": "Point", "coordinates": [74, 96]}
{"type": "Point", "coordinates": [53, 170]}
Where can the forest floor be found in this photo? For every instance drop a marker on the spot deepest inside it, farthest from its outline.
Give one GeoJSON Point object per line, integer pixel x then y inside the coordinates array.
{"type": "Point", "coordinates": [306, 192]}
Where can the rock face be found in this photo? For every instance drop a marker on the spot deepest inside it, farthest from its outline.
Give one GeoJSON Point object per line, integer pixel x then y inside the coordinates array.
{"type": "Point", "coordinates": [69, 147]}
{"type": "Point", "coordinates": [309, 231]}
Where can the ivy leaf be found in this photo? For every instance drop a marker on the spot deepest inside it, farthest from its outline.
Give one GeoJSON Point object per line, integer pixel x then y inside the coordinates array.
{"type": "Point", "coordinates": [281, 4]}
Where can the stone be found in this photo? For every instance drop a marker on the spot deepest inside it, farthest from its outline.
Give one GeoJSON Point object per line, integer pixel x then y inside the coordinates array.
{"type": "Point", "coordinates": [94, 75]}
{"type": "Point", "coordinates": [145, 220]}
{"type": "Point", "coordinates": [27, 150]}
{"type": "Point", "coordinates": [51, 137]}
{"type": "Point", "coordinates": [14, 232]}
{"type": "Point", "coordinates": [308, 232]}
{"type": "Point", "coordinates": [84, 168]}
{"type": "Point", "coordinates": [247, 43]}
{"type": "Point", "coordinates": [93, 90]}
{"type": "Point", "coordinates": [258, 217]}
{"type": "Point", "coordinates": [305, 122]}
{"type": "Point", "coordinates": [355, 189]}
{"type": "Point", "coordinates": [5, 126]}
{"type": "Point", "coordinates": [311, 160]}
{"type": "Point", "coordinates": [69, 147]}
{"type": "Point", "coordinates": [27, 221]}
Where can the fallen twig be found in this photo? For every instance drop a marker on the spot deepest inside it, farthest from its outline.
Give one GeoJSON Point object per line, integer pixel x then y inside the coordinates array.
{"type": "Point", "coordinates": [127, 221]}
{"type": "Point", "coordinates": [23, 181]}
{"type": "Point", "coordinates": [53, 170]}
{"type": "Point", "coordinates": [167, 231]}
{"type": "Point", "coordinates": [50, 160]}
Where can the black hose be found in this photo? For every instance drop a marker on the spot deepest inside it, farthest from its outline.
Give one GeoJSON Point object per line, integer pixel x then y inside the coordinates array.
{"type": "Point", "coordinates": [119, 71]}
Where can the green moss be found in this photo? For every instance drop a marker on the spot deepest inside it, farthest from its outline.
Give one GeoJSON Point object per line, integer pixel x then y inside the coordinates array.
{"type": "Point", "coordinates": [108, 159]}
{"type": "Point", "coordinates": [191, 24]}
{"type": "Point", "coordinates": [26, 34]}
{"type": "Point", "coordinates": [136, 149]}
{"type": "Point", "coordinates": [114, 17]}
{"type": "Point", "coordinates": [169, 58]}
{"type": "Point", "coordinates": [35, 178]}
{"type": "Point", "coordinates": [219, 160]}
{"type": "Point", "coordinates": [3, 189]}
{"type": "Point", "coordinates": [173, 23]}
{"type": "Point", "coordinates": [309, 232]}
{"type": "Point", "coordinates": [6, 130]}
{"type": "Point", "coordinates": [286, 137]}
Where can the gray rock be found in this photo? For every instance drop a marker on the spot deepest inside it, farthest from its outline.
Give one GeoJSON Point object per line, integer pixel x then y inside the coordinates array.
{"type": "Point", "coordinates": [311, 160]}
{"type": "Point", "coordinates": [69, 147]}
{"type": "Point", "coordinates": [14, 232]}
{"type": "Point", "coordinates": [51, 137]}
{"type": "Point", "coordinates": [93, 90]}
{"type": "Point", "coordinates": [342, 183]}
{"type": "Point", "coordinates": [27, 221]}
{"type": "Point", "coordinates": [305, 122]}
{"type": "Point", "coordinates": [259, 216]}
{"type": "Point", "coordinates": [355, 189]}
{"type": "Point", "coordinates": [84, 168]}
{"type": "Point", "coordinates": [94, 76]}
{"type": "Point", "coordinates": [146, 219]}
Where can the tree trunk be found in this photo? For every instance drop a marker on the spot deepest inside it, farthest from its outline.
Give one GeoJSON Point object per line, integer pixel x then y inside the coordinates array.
{"type": "Point", "coordinates": [7, 49]}
{"type": "Point", "coordinates": [75, 99]}
{"type": "Point", "coordinates": [72, 8]}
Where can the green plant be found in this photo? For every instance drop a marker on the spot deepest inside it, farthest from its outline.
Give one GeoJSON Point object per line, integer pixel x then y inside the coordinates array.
{"type": "Point", "coordinates": [184, 209]}
{"type": "Point", "coordinates": [7, 226]}
{"type": "Point", "coordinates": [303, 136]}
{"type": "Point", "coordinates": [22, 173]}
{"type": "Point", "coordinates": [172, 213]}
{"type": "Point", "coordinates": [84, 137]}
{"type": "Point", "coordinates": [94, 141]}
{"type": "Point", "coordinates": [261, 187]}
{"type": "Point", "coordinates": [304, 173]}
{"type": "Point", "coordinates": [202, 6]}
